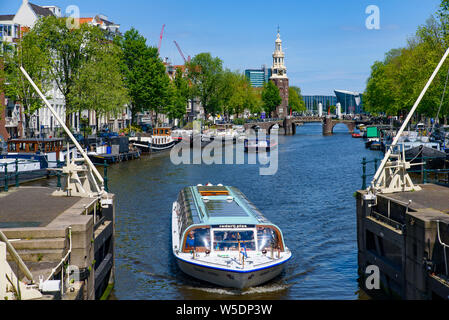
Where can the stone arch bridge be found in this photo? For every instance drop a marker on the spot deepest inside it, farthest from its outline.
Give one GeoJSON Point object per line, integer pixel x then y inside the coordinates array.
{"type": "Point", "coordinates": [289, 124]}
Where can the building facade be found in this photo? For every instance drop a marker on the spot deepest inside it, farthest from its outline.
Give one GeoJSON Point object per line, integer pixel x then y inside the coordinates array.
{"type": "Point", "coordinates": [351, 102]}
{"type": "Point", "coordinates": [258, 77]}
{"type": "Point", "coordinates": [280, 78]}
{"type": "Point", "coordinates": [312, 102]}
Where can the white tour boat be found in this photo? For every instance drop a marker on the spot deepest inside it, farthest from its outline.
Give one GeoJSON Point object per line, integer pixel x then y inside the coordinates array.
{"type": "Point", "coordinates": [220, 237]}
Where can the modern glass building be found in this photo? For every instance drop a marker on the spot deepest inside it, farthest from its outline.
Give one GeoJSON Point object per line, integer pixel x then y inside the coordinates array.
{"type": "Point", "coordinates": [351, 102]}
{"type": "Point", "coordinates": [258, 77]}
{"type": "Point", "coordinates": [312, 102]}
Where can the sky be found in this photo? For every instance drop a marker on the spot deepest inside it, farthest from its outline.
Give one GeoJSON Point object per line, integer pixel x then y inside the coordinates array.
{"type": "Point", "coordinates": [326, 42]}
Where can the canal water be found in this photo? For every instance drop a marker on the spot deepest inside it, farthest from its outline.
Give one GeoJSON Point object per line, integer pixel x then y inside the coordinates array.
{"type": "Point", "coordinates": [311, 198]}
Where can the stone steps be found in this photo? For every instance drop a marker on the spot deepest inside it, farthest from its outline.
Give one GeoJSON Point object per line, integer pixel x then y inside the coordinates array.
{"type": "Point", "coordinates": [39, 255]}
{"type": "Point", "coordinates": [34, 233]}
{"type": "Point", "coordinates": [34, 244]}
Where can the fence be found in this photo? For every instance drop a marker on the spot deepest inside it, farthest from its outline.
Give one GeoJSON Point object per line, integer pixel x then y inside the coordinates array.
{"type": "Point", "coordinates": [422, 175]}
{"type": "Point", "coordinates": [15, 177]}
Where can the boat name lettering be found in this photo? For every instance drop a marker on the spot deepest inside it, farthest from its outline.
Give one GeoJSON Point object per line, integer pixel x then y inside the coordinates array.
{"type": "Point", "coordinates": [233, 226]}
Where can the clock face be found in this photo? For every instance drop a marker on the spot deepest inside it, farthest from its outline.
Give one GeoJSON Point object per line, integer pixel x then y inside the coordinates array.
{"type": "Point", "coordinates": [281, 72]}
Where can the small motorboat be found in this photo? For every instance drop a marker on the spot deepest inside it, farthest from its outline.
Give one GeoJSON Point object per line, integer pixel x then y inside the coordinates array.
{"type": "Point", "coordinates": [357, 135]}
{"type": "Point", "coordinates": [220, 237]}
{"type": "Point", "coordinates": [259, 145]}
{"type": "Point", "coordinates": [376, 145]}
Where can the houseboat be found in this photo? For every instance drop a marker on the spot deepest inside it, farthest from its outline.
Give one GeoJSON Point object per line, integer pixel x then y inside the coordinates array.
{"type": "Point", "coordinates": [160, 140]}
{"type": "Point", "coordinates": [31, 158]}
{"type": "Point", "coordinates": [220, 237]}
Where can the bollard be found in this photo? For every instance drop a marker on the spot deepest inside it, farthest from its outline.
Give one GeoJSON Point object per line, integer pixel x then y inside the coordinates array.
{"type": "Point", "coordinates": [424, 176]}
{"type": "Point", "coordinates": [17, 172]}
{"type": "Point", "coordinates": [105, 176]}
{"type": "Point", "coordinates": [364, 174]}
{"type": "Point", "coordinates": [58, 174]}
{"type": "Point", "coordinates": [375, 165]}
{"type": "Point", "coordinates": [6, 177]}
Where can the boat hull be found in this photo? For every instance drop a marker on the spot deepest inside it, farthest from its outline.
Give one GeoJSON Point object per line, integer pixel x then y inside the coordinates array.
{"type": "Point", "coordinates": [162, 147]}
{"type": "Point", "coordinates": [231, 278]}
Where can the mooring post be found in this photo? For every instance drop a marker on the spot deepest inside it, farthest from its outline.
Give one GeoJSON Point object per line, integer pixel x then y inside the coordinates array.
{"type": "Point", "coordinates": [6, 177]}
{"type": "Point", "coordinates": [58, 173]}
{"type": "Point", "coordinates": [364, 174]}
{"type": "Point", "coordinates": [424, 176]}
{"type": "Point", "coordinates": [375, 164]}
{"type": "Point", "coordinates": [17, 172]}
{"type": "Point", "coordinates": [105, 176]}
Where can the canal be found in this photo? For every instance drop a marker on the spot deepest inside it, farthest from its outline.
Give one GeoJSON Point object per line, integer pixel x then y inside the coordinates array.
{"type": "Point", "coordinates": [310, 198]}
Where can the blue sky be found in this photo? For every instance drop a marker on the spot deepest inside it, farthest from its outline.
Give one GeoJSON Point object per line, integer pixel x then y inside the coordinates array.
{"type": "Point", "coordinates": [326, 42]}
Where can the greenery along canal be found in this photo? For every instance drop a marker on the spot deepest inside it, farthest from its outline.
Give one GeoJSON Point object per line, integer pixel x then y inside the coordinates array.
{"type": "Point", "coordinates": [310, 198]}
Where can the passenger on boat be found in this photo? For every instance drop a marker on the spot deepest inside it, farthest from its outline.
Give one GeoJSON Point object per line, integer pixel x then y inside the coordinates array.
{"type": "Point", "coordinates": [190, 242]}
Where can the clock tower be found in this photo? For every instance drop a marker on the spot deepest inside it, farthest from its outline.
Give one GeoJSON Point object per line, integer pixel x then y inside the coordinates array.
{"type": "Point", "coordinates": [279, 77]}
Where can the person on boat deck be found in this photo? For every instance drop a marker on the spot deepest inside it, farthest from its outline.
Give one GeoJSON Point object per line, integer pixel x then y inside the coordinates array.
{"type": "Point", "coordinates": [190, 242]}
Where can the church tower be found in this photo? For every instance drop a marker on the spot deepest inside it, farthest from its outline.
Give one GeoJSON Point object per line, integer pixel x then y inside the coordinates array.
{"type": "Point", "coordinates": [279, 77]}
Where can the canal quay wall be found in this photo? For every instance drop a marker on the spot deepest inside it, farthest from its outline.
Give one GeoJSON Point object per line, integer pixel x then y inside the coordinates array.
{"type": "Point", "coordinates": [405, 236]}
{"type": "Point", "coordinates": [48, 232]}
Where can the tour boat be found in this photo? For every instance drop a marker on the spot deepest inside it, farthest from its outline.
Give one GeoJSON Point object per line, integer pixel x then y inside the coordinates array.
{"type": "Point", "coordinates": [160, 140]}
{"type": "Point", "coordinates": [220, 237]}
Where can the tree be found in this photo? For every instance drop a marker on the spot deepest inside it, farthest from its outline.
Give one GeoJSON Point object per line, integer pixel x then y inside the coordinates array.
{"type": "Point", "coordinates": [28, 54]}
{"type": "Point", "coordinates": [144, 74]}
{"type": "Point", "coordinates": [99, 85]}
{"type": "Point", "coordinates": [205, 74]}
{"type": "Point", "coordinates": [66, 51]}
{"type": "Point", "coordinates": [295, 99]}
{"type": "Point", "coordinates": [271, 97]}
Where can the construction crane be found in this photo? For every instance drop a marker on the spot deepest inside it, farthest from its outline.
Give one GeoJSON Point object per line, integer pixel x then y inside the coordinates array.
{"type": "Point", "coordinates": [160, 39]}
{"type": "Point", "coordinates": [180, 52]}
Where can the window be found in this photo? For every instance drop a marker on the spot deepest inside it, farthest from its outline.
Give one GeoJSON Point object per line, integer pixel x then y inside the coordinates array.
{"type": "Point", "coordinates": [197, 239]}
{"type": "Point", "coordinates": [229, 240]}
{"type": "Point", "coordinates": [267, 238]}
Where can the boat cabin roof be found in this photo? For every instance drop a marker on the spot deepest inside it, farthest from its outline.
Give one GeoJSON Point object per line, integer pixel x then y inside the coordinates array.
{"type": "Point", "coordinates": [162, 131]}
{"type": "Point", "coordinates": [219, 205]}
{"type": "Point", "coordinates": [35, 140]}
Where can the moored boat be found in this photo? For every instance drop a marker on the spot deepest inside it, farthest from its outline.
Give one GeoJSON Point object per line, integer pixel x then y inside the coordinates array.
{"type": "Point", "coordinates": [160, 140]}
{"type": "Point", "coordinates": [220, 237]}
{"type": "Point", "coordinates": [259, 145]}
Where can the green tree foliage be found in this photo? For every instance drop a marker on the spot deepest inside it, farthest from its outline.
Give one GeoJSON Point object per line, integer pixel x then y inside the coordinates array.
{"type": "Point", "coordinates": [205, 74]}
{"type": "Point", "coordinates": [28, 54]}
{"type": "Point", "coordinates": [99, 85]}
{"type": "Point", "coordinates": [67, 50]}
{"type": "Point", "coordinates": [396, 82]}
{"type": "Point", "coordinates": [178, 96]}
{"type": "Point", "coordinates": [144, 74]}
{"type": "Point", "coordinates": [271, 97]}
{"type": "Point", "coordinates": [295, 99]}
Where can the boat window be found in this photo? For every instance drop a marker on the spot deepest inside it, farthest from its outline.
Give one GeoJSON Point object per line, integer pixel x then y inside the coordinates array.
{"type": "Point", "coordinates": [197, 239]}
{"type": "Point", "coordinates": [231, 240]}
{"type": "Point", "coordinates": [267, 237]}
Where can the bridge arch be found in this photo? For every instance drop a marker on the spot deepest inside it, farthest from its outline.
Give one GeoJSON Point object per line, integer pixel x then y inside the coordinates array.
{"type": "Point", "coordinates": [329, 125]}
